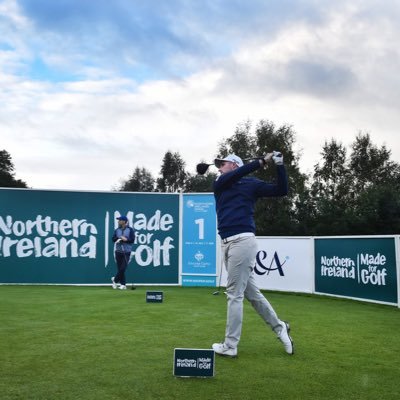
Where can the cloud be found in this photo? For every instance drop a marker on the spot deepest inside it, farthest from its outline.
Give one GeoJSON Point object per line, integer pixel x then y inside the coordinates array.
{"type": "Point", "coordinates": [319, 79]}
{"type": "Point", "coordinates": [89, 92]}
{"type": "Point", "coordinates": [153, 39]}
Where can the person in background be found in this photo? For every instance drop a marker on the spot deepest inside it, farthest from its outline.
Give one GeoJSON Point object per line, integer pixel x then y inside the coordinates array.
{"type": "Point", "coordinates": [124, 237]}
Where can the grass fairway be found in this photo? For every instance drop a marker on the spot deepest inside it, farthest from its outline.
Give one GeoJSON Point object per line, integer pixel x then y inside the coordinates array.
{"type": "Point", "coordinates": [98, 343]}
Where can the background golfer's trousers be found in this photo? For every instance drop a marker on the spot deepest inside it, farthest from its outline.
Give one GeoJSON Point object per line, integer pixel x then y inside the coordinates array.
{"type": "Point", "coordinates": [122, 260]}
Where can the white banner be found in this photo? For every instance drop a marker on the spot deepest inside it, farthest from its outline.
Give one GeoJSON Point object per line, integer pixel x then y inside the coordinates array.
{"type": "Point", "coordinates": [283, 264]}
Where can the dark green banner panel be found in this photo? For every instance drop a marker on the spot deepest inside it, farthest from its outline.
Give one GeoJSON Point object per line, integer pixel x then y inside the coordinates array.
{"type": "Point", "coordinates": [65, 237]}
{"type": "Point", "coordinates": [364, 268]}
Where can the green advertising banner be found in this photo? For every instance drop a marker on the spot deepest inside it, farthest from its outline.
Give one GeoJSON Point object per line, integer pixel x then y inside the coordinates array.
{"type": "Point", "coordinates": [362, 268]}
{"type": "Point", "coordinates": [65, 237]}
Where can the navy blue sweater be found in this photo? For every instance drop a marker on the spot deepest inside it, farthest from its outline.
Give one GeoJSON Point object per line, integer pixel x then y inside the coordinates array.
{"type": "Point", "coordinates": [124, 247]}
{"type": "Point", "coordinates": [236, 195]}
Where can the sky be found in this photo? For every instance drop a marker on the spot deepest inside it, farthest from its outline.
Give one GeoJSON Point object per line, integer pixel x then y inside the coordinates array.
{"type": "Point", "coordinates": [90, 89]}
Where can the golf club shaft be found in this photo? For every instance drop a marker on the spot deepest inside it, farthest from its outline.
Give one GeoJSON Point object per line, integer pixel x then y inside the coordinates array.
{"type": "Point", "coordinates": [220, 277]}
{"type": "Point", "coordinates": [203, 167]}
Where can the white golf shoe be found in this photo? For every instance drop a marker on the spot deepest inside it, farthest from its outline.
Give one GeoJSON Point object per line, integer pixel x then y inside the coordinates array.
{"type": "Point", "coordinates": [285, 338]}
{"type": "Point", "coordinates": [224, 350]}
{"type": "Point", "coordinates": [114, 284]}
{"type": "Point", "coordinates": [122, 287]}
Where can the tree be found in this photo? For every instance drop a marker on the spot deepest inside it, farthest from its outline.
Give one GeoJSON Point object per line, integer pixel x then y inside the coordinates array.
{"type": "Point", "coordinates": [371, 165]}
{"type": "Point", "coordinates": [275, 216]}
{"type": "Point", "coordinates": [241, 143]}
{"type": "Point", "coordinates": [358, 194]}
{"type": "Point", "coordinates": [200, 183]}
{"type": "Point", "coordinates": [377, 211]}
{"type": "Point", "coordinates": [141, 180]}
{"type": "Point", "coordinates": [331, 176]}
{"type": "Point", "coordinates": [281, 216]}
{"type": "Point", "coordinates": [172, 173]}
{"type": "Point", "coordinates": [7, 174]}
{"type": "Point", "coordinates": [332, 193]}
{"type": "Point", "coordinates": [376, 182]}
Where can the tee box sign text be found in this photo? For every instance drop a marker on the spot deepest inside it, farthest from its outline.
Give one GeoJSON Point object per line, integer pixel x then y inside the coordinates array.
{"type": "Point", "coordinates": [154, 297]}
{"type": "Point", "coordinates": [197, 363]}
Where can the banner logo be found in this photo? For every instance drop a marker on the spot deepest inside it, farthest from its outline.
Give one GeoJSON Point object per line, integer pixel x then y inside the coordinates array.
{"type": "Point", "coordinates": [190, 204]}
{"type": "Point", "coordinates": [275, 264]}
{"type": "Point", "coordinates": [150, 249]}
{"type": "Point", "coordinates": [199, 256]}
{"type": "Point", "coordinates": [44, 236]}
{"type": "Point", "coordinates": [357, 267]}
{"type": "Point", "coordinates": [366, 268]}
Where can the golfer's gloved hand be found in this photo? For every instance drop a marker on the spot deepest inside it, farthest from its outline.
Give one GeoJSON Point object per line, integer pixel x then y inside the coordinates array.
{"type": "Point", "coordinates": [277, 157]}
{"type": "Point", "coordinates": [266, 158]}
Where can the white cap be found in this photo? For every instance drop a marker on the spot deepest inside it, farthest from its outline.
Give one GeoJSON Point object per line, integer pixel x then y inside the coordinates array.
{"type": "Point", "coordinates": [231, 158]}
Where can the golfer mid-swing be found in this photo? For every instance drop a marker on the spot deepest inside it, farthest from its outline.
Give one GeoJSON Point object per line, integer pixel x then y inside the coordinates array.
{"type": "Point", "coordinates": [235, 196]}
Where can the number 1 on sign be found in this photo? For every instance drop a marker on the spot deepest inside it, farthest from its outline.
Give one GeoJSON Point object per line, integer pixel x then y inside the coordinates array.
{"type": "Point", "coordinates": [200, 223]}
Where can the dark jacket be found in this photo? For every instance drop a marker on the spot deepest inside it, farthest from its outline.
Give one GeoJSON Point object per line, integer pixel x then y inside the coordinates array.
{"type": "Point", "coordinates": [124, 247]}
{"type": "Point", "coordinates": [236, 195]}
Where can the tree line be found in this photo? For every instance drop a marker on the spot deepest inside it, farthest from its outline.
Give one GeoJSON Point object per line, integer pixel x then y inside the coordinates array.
{"type": "Point", "coordinates": [351, 191]}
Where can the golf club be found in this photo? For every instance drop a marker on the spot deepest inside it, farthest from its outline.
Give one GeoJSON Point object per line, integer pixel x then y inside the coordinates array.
{"type": "Point", "coordinates": [202, 168]}
{"type": "Point", "coordinates": [219, 285]}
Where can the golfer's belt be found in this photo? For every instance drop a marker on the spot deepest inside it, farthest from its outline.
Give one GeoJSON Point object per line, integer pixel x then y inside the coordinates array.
{"type": "Point", "coordinates": [239, 236]}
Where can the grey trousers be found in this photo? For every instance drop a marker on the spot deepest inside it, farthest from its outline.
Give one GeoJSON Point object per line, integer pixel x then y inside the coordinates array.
{"type": "Point", "coordinates": [239, 257]}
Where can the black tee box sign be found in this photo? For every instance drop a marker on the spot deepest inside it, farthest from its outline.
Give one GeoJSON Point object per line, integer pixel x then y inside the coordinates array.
{"type": "Point", "coordinates": [154, 297]}
{"type": "Point", "coordinates": [199, 363]}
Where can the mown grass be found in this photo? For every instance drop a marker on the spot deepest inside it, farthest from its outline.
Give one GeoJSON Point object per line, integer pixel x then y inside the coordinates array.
{"type": "Point", "coordinates": [95, 343]}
